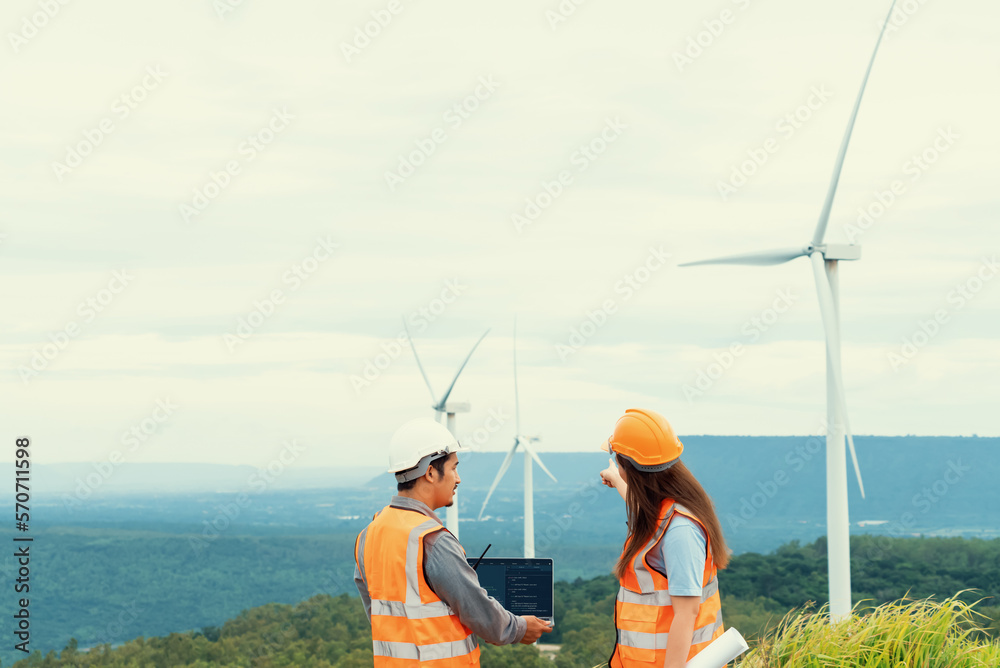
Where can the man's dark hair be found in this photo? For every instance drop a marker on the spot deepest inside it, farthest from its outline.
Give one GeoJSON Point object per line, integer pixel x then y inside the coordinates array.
{"type": "Point", "coordinates": [409, 484]}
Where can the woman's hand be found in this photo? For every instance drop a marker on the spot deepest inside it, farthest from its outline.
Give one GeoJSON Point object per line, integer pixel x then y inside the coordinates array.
{"type": "Point", "coordinates": [681, 630]}
{"type": "Point", "coordinates": [612, 477]}
{"type": "Point", "coordinates": [611, 474]}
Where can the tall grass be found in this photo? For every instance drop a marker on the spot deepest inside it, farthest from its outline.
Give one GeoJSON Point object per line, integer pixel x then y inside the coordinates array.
{"type": "Point", "coordinates": [900, 634]}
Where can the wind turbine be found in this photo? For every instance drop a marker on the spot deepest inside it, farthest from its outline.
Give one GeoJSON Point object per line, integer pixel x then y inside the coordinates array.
{"type": "Point", "coordinates": [443, 407]}
{"type": "Point", "coordinates": [524, 442]}
{"type": "Point", "coordinates": [825, 259]}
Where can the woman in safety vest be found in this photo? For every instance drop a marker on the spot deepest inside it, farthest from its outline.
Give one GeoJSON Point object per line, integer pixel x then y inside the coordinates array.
{"type": "Point", "coordinates": [668, 607]}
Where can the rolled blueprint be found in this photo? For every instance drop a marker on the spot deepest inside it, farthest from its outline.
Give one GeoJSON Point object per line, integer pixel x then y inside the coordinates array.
{"type": "Point", "coordinates": [723, 649]}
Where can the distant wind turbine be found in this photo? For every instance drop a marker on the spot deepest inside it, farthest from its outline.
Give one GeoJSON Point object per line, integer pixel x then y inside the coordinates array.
{"type": "Point", "coordinates": [825, 260]}
{"type": "Point", "coordinates": [443, 407]}
{"type": "Point", "coordinates": [523, 442]}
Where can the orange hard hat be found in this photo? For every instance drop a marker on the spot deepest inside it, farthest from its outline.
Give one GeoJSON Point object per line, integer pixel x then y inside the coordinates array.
{"type": "Point", "coordinates": [646, 439]}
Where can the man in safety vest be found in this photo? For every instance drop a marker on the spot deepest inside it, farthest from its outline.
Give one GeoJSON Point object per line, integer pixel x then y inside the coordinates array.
{"type": "Point", "coordinates": [423, 599]}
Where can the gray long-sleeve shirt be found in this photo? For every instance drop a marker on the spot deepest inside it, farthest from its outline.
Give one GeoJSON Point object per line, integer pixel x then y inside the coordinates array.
{"type": "Point", "coordinates": [450, 577]}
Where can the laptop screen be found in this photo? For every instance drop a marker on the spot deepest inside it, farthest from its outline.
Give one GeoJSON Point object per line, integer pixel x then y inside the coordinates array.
{"type": "Point", "coordinates": [523, 586]}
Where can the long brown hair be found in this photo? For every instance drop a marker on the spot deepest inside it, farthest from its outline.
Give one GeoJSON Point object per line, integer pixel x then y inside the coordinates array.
{"type": "Point", "coordinates": [645, 493]}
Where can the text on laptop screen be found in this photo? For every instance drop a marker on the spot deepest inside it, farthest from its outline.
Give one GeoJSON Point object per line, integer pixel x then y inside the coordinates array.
{"type": "Point", "coordinates": [523, 586]}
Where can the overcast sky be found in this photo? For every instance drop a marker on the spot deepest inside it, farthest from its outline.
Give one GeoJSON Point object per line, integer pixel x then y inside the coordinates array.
{"type": "Point", "coordinates": [170, 170]}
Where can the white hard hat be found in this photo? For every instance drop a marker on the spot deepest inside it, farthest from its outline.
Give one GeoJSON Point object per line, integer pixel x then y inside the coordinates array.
{"type": "Point", "coordinates": [416, 444]}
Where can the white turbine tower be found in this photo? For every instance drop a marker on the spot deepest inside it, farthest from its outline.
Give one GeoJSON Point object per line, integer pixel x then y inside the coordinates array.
{"type": "Point", "coordinates": [523, 442]}
{"type": "Point", "coordinates": [825, 260]}
{"type": "Point", "coordinates": [443, 407]}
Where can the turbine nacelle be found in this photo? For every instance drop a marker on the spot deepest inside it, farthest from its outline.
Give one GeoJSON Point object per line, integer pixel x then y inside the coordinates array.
{"type": "Point", "coordinates": [453, 407]}
{"type": "Point", "coordinates": [846, 252]}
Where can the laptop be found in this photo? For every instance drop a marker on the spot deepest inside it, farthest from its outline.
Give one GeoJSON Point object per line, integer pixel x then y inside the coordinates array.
{"type": "Point", "coordinates": [523, 586]}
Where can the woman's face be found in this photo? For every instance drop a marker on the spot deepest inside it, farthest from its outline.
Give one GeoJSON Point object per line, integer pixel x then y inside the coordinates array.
{"type": "Point", "coordinates": [621, 469]}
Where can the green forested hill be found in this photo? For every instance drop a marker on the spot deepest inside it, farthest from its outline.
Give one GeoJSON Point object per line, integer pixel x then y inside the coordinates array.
{"type": "Point", "coordinates": [108, 586]}
{"type": "Point", "coordinates": [757, 590]}
{"type": "Point", "coordinates": [321, 632]}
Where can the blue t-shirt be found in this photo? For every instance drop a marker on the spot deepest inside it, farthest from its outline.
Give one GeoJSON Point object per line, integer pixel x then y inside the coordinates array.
{"type": "Point", "coordinates": [683, 550]}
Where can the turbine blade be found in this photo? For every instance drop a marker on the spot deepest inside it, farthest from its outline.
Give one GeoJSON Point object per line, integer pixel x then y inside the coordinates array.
{"type": "Point", "coordinates": [538, 460]}
{"type": "Point", "coordinates": [779, 256]}
{"type": "Point", "coordinates": [517, 399]}
{"type": "Point", "coordinates": [854, 454]}
{"type": "Point", "coordinates": [459, 372]}
{"type": "Point", "coordinates": [496, 481]}
{"type": "Point", "coordinates": [831, 328]}
{"type": "Point", "coordinates": [417, 357]}
{"type": "Point", "coordinates": [824, 216]}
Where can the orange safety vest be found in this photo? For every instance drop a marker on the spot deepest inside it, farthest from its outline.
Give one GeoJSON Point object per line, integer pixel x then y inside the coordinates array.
{"type": "Point", "coordinates": [643, 612]}
{"type": "Point", "coordinates": [411, 625]}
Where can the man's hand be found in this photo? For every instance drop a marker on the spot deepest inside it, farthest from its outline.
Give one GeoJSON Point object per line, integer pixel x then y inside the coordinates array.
{"type": "Point", "coordinates": [535, 629]}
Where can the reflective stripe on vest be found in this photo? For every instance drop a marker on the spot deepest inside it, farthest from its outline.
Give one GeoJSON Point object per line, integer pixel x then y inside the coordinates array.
{"type": "Point", "coordinates": [435, 652]}
{"type": "Point", "coordinates": [419, 611]}
{"type": "Point", "coordinates": [411, 625]}
{"type": "Point", "coordinates": [663, 597]}
{"type": "Point", "coordinates": [654, 641]}
{"type": "Point", "coordinates": [643, 609]}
